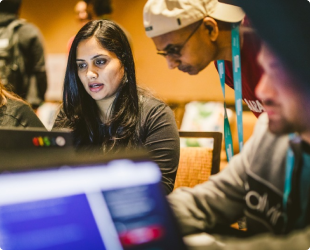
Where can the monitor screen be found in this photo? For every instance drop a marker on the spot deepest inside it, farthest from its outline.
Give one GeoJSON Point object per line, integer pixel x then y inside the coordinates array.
{"type": "Point", "coordinates": [114, 205]}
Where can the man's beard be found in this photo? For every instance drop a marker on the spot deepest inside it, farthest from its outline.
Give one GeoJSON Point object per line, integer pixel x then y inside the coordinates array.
{"type": "Point", "coordinates": [281, 127]}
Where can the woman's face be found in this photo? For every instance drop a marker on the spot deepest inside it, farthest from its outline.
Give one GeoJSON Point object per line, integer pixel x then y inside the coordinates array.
{"type": "Point", "coordinates": [99, 70]}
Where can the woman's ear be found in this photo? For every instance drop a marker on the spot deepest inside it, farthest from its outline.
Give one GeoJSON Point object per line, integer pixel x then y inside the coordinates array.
{"type": "Point", "coordinates": [211, 27]}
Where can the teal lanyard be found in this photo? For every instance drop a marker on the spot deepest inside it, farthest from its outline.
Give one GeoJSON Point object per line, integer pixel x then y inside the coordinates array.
{"type": "Point", "coordinates": [236, 61]}
{"type": "Point", "coordinates": [227, 131]}
{"type": "Point", "coordinates": [288, 175]}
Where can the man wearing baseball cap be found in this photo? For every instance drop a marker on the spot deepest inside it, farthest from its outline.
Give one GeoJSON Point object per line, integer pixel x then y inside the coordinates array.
{"type": "Point", "coordinates": [268, 181]}
{"type": "Point", "coordinates": [191, 34]}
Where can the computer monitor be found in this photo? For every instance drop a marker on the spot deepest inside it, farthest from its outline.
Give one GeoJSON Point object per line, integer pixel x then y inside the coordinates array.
{"type": "Point", "coordinates": [118, 204]}
{"type": "Point", "coordinates": [12, 138]}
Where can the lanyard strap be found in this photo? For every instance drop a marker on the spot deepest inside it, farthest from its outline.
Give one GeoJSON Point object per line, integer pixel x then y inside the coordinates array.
{"type": "Point", "coordinates": [236, 61]}
{"type": "Point", "coordinates": [237, 80]}
{"type": "Point", "coordinates": [290, 160]}
{"type": "Point", "coordinates": [227, 131]}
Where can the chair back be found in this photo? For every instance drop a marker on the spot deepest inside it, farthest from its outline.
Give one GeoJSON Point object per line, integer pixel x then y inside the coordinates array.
{"type": "Point", "coordinates": [197, 163]}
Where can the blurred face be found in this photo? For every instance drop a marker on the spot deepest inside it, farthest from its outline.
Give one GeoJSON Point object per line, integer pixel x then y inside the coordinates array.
{"type": "Point", "coordinates": [188, 49]}
{"type": "Point", "coordinates": [81, 12]}
{"type": "Point", "coordinates": [285, 104]}
{"type": "Point", "coordinates": [99, 70]}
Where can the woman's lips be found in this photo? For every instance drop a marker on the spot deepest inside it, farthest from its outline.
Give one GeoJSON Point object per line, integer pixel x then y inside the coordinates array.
{"type": "Point", "coordinates": [95, 87]}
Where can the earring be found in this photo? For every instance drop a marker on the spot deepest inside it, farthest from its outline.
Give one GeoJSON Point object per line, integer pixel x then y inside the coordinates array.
{"type": "Point", "coordinates": [125, 77]}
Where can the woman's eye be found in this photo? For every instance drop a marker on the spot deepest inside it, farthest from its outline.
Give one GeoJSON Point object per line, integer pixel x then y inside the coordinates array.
{"type": "Point", "coordinates": [100, 62]}
{"type": "Point", "coordinates": [82, 65]}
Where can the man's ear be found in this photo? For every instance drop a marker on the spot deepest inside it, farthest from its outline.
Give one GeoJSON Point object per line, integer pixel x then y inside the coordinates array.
{"type": "Point", "coordinates": [211, 27]}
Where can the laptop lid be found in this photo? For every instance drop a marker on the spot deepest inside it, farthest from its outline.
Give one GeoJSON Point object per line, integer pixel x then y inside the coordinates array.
{"type": "Point", "coordinates": [115, 205]}
{"type": "Point", "coordinates": [27, 138]}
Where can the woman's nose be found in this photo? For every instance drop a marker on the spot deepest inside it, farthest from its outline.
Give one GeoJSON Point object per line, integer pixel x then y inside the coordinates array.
{"type": "Point", "coordinates": [91, 74]}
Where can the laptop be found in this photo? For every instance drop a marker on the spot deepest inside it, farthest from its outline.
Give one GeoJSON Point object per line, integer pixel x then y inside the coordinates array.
{"type": "Point", "coordinates": [27, 138]}
{"type": "Point", "coordinates": [108, 204]}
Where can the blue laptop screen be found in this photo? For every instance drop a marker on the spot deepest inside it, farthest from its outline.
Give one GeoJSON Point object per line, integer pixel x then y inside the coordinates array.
{"type": "Point", "coordinates": [117, 206]}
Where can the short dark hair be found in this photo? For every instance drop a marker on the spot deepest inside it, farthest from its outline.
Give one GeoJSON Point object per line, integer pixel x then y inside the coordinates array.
{"type": "Point", "coordinates": [10, 6]}
{"type": "Point", "coordinates": [122, 128]}
{"type": "Point", "coordinates": [101, 7]}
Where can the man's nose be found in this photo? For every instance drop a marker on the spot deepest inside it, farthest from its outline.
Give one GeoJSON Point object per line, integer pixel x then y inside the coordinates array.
{"type": "Point", "coordinates": [172, 63]}
{"type": "Point", "coordinates": [264, 88]}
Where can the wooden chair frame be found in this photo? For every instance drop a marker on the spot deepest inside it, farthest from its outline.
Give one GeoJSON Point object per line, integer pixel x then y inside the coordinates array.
{"type": "Point", "coordinates": [217, 145]}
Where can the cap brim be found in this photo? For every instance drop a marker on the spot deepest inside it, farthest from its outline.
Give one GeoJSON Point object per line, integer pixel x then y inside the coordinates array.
{"type": "Point", "coordinates": [227, 13]}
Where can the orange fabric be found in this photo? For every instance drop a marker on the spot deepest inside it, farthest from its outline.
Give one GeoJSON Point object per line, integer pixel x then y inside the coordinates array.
{"type": "Point", "coordinates": [194, 166]}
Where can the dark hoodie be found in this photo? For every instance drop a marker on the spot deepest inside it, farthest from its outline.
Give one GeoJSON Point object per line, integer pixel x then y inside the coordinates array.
{"type": "Point", "coordinates": [31, 46]}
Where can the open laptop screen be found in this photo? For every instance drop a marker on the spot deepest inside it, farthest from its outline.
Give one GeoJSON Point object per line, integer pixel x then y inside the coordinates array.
{"type": "Point", "coordinates": [118, 205]}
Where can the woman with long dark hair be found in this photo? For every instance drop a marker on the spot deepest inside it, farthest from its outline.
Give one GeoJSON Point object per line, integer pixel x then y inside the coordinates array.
{"type": "Point", "coordinates": [14, 112]}
{"type": "Point", "coordinates": [104, 107]}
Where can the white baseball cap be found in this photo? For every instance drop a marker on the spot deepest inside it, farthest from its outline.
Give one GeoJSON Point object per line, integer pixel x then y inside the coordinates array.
{"type": "Point", "coordinates": [163, 16]}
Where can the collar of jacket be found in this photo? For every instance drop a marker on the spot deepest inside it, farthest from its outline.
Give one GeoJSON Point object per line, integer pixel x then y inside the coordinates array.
{"type": "Point", "coordinates": [6, 18]}
{"type": "Point", "coordinates": [293, 209]}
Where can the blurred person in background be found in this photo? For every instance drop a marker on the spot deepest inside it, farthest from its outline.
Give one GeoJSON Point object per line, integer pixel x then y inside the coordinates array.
{"type": "Point", "coordinates": [99, 9]}
{"type": "Point", "coordinates": [95, 10]}
{"type": "Point", "coordinates": [14, 112]}
{"type": "Point", "coordinates": [104, 107]}
{"type": "Point", "coordinates": [22, 62]}
{"type": "Point", "coordinates": [80, 10]}
{"type": "Point", "coordinates": [82, 17]}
